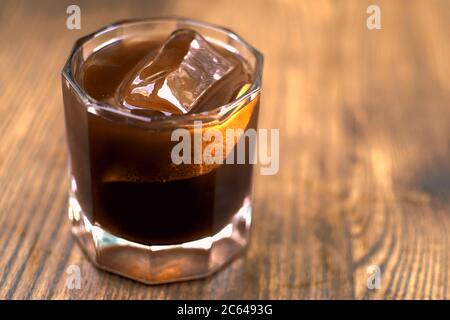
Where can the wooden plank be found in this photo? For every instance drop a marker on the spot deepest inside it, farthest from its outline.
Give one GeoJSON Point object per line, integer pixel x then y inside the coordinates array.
{"type": "Point", "coordinates": [364, 124]}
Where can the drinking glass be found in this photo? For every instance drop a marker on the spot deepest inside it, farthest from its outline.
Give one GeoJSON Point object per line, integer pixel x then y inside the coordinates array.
{"type": "Point", "coordinates": [132, 210]}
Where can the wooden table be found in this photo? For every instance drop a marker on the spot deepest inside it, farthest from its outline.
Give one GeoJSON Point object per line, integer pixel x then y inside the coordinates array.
{"type": "Point", "coordinates": [364, 119]}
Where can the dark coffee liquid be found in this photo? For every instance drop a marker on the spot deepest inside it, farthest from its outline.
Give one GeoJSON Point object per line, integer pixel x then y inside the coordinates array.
{"type": "Point", "coordinates": [134, 189]}
{"type": "Point", "coordinates": [174, 211]}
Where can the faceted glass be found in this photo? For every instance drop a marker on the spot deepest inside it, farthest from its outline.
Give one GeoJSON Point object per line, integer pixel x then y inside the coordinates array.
{"type": "Point", "coordinates": [133, 211]}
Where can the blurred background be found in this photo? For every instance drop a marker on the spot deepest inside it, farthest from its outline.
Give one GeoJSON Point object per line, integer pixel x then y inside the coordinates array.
{"type": "Point", "coordinates": [364, 180]}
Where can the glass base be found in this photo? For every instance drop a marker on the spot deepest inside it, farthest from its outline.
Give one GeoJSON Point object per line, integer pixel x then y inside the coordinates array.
{"type": "Point", "coordinates": [161, 263]}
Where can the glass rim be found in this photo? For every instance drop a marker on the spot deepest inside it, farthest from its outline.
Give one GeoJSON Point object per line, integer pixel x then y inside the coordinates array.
{"type": "Point", "coordinates": [216, 114]}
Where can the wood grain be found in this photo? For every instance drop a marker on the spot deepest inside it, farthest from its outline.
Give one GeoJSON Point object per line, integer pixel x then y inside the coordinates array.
{"type": "Point", "coordinates": [364, 120]}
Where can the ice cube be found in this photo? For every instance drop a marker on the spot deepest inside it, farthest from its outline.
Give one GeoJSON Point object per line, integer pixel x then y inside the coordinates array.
{"type": "Point", "coordinates": [174, 80]}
